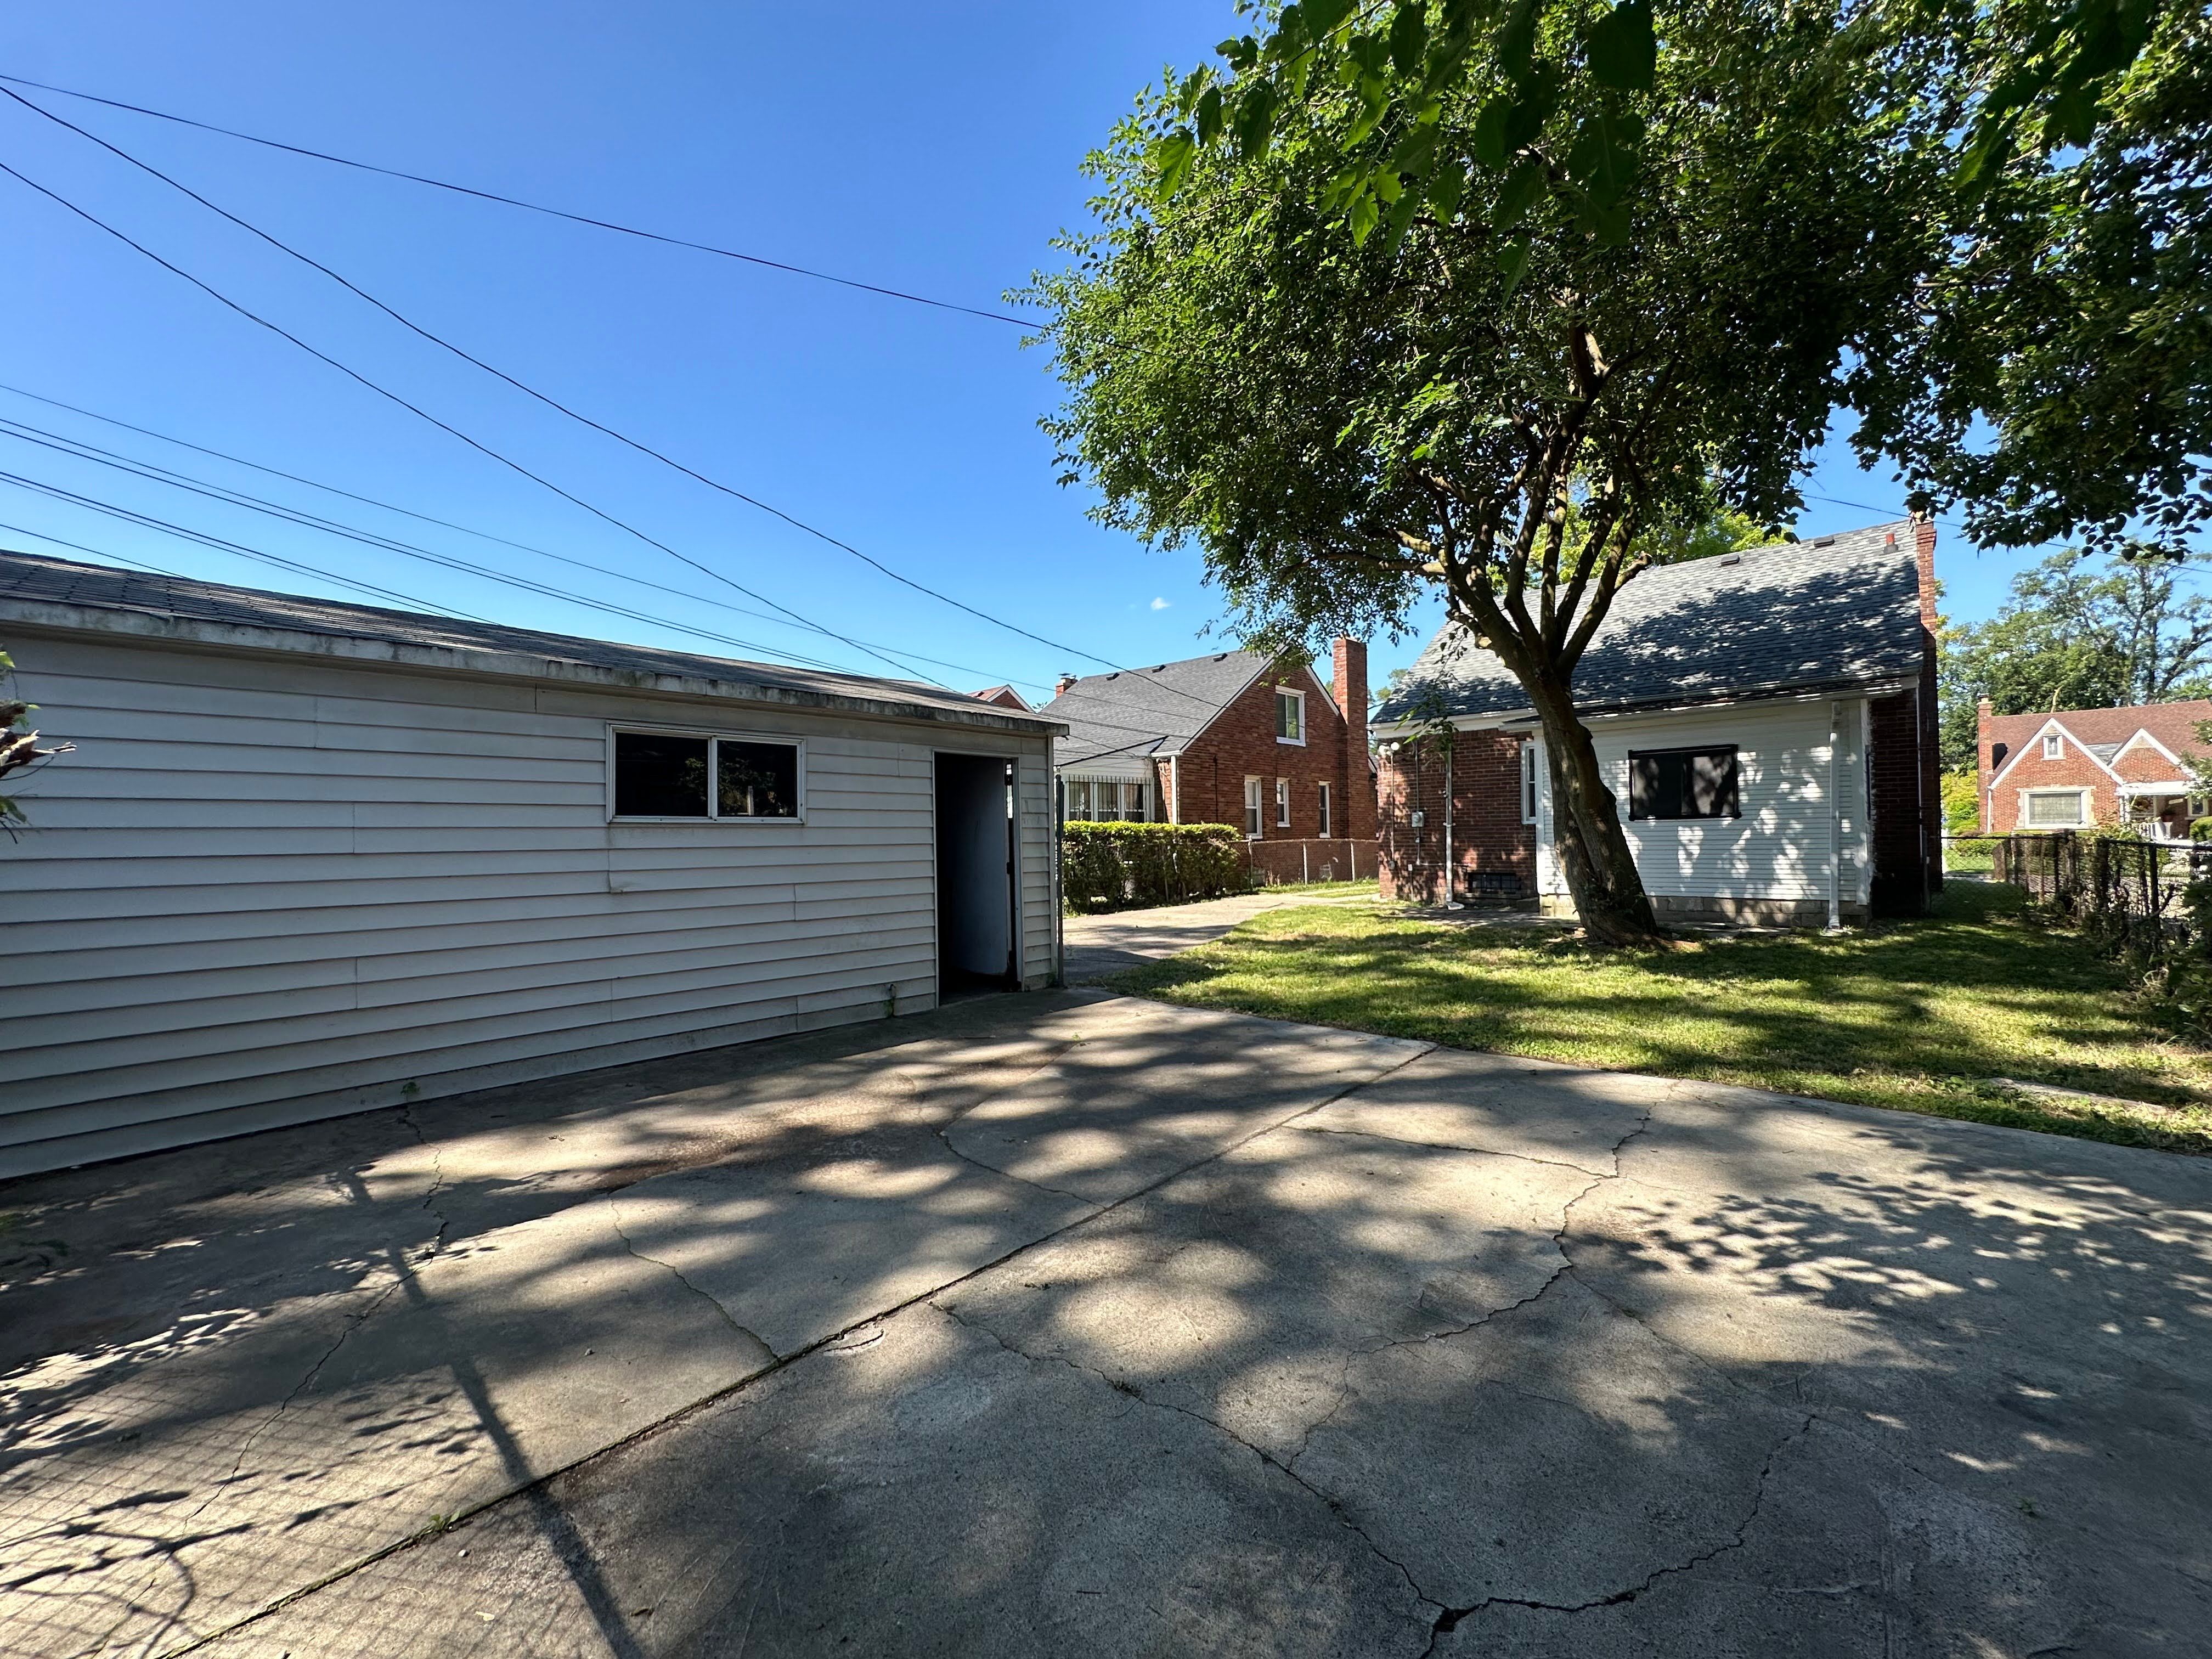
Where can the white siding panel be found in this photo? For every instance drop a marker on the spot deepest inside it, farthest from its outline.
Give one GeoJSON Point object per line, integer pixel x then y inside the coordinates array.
{"type": "Point", "coordinates": [266, 891]}
{"type": "Point", "coordinates": [1798, 808]}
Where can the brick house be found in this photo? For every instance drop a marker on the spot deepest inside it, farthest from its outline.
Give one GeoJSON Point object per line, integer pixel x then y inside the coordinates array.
{"type": "Point", "coordinates": [1004, 697]}
{"type": "Point", "coordinates": [1236, 737]}
{"type": "Point", "coordinates": [2078, 767]}
{"type": "Point", "coordinates": [1766, 720]}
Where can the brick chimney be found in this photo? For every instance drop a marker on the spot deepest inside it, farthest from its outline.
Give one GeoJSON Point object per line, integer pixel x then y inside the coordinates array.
{"type": "Point", "coordinates": [1065, 681]}
{"type": "Point", "coordinates": [1931, 765]}
{"type": "Point", "coordinates": [1349, 691]}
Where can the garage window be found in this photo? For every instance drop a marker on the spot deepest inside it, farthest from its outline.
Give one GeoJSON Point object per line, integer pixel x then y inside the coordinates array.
{"type": "Point", "coordinates": [682, 774]}
{"type": "Point", "coordinates": [1683, 783]}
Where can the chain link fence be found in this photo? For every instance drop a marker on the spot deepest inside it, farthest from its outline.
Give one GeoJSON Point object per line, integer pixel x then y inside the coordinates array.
{"type": "Point", "coordinates": [2134, 895]}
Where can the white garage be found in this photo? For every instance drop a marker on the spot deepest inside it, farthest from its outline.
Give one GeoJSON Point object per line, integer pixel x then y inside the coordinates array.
{"type": "Point", "coordinates": [309, 858]}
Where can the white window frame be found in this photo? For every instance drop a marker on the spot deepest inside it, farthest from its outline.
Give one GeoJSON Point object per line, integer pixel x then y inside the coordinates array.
{"type": "Point", "coordinates": [1326, 828]}
{"type": "Point", "coordinates": [2054, 746]}
{"type": "Point", "coordinates": [1282, 803]}
{"type": "Point", "coordinates": [2082, 808]}
{"type": "Point", "coordinates": [1253, 828]}
{"type": "Point", "coordinates": [1299, 698]}
{"type": "Point", "coordinates": [713, 734]}
{"type": "Point", "coordinates": [1528, 782]}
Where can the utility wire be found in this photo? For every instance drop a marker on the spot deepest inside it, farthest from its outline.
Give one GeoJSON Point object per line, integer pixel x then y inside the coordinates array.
{"type": "Point", "coordinates": [24, 432]}
{"type": "Point", "coordinates": [428, 557]}
{"type": "Point", "coordinates": [217, 542]}
{"type": "Point", "coordinates": [549, 402]}
{"type": "Point", "coordinates": [97, 552]}
{"type": "Point", "coordinates": [483, 448]}
{"type": "Point", "coordinates": [533, 207]}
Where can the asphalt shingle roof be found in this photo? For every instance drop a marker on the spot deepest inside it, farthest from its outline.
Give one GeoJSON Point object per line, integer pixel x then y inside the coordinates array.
{"type": "Point", "coordinates": [2105, 732]}
{"type": "Point", "coordinates": [1798, 615]}
{"type": "Point", "coordinates": [36, 579]}
{"type": "Point", "coordinates": [1138, 712]}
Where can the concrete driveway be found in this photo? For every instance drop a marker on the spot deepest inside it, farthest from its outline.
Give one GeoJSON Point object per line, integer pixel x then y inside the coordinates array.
{"type": "Point", "coordinates": [1080, 1325]}
{"type": "Point", "coordinates": [1096, 946]}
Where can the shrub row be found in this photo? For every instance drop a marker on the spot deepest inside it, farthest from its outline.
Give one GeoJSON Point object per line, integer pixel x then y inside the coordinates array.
{"type": "Point", "coordinates": [1105, 867]}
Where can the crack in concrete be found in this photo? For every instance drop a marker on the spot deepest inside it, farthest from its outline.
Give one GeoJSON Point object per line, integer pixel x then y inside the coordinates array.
{"type": "Point", "coordinates": [943, 1131]}
{"type": "Point", "coordinates": [614, 1214]}
{"type": "Point", "coordinates": [1451, 1617]}
{"type": "Point", "coordinates": [1133, 1391]}
{"type": "Point", "coordinates": [1455, 1147]}
{"type": "Point", "coordinates": [437, 1151]}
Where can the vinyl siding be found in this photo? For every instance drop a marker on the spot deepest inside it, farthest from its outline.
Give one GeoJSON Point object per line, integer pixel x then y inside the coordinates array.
{"type": "Point", "coordinates": [264, 891]}
{"type": "Point", "coordinates": [1784, 846]}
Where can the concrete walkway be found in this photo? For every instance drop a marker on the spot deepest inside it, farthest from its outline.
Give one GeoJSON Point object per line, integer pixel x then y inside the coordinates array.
{"type": "Point", "coordinates": [1080, 1325]}
{"type": "Point", "coordinates": [1094, 947]}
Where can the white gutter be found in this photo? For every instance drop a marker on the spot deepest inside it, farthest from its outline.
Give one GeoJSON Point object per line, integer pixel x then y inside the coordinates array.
{"type": "Point", "coordinates": [1835, 822]}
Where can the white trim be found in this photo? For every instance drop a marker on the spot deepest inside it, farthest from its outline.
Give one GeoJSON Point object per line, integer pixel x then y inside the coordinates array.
{"type": "Point", "coordinates": [2141, 735]}
{"type": "Point", "coordinates": [1256, 807]}
{"type": "Point", "coordinates": [1507, 718]}
{"type": "Point", "coordinates": [710, 735]}
{"type": "Point", "coordinates": [1532, 786]}
{"type": "Point", "coordinates": [2054, 745]}
{"type": "Point", "coordinates": [1282, 803]}
{"type": "Point", "coordinates": [1299, 697]}
{"type": "Point", "coordinates": [2034, 741]}
{"type": "Point", "coordinates": [1327, 824]}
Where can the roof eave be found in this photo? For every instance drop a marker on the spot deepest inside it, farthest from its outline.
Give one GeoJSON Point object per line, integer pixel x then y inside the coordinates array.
{"type": "Point", "coordinates": [192, 633]}
{"type": "Point", "coordinates": [1495, 720]}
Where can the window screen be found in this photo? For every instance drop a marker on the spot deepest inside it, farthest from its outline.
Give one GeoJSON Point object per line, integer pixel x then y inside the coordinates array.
{"type": "Point", "coordinates": [2059, 810]}
{"type": "Point", "coordinates": [1683, 783]}
{"type": "Point", "coordinates": [756, 779]}
{"type": "Point", "coordinates": [1290, 716]}
{"type": "Point", "coordinates": [658, 776]}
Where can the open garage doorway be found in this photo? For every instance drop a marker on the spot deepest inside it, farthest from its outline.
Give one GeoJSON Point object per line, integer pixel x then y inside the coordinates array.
{"type": "Point", "coordinates": [975, 875]}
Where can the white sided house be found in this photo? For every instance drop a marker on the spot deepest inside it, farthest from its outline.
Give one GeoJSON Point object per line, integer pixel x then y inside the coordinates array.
{"type": "Point", "coordinates": [310, 858]}
{"type": "Point", "coordinates": [1765, 720]}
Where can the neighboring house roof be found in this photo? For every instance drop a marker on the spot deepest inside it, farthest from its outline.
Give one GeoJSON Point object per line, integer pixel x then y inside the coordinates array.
{"type": "Point", "coordinates": [1006, 696]}
{"type": "Point", "coordinates": [1837, 612]}
{"type": "Point", "coordinates": [37, 590]}
{"type": "Point", "coordinates": [2105, 732]}
{"type": "Point", "coordinates": [1149, 712]}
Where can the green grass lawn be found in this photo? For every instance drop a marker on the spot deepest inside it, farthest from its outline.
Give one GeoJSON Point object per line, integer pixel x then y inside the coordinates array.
{"type": "Point", "coordinates": [1324, 888]}
{"type": "Point", "coordinates": [1914, 1015]}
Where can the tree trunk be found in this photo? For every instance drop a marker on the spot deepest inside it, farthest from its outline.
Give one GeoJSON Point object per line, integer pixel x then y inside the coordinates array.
{"type": "Point", "coordinates": [1593, 852]}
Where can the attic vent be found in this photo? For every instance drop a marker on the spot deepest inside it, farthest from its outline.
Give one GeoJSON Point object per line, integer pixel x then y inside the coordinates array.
{"type": "Point", "coordinates": [1115, 675]}
{"type": "Point", "coordinates": [1159, 668]}
{"type": "Point", "coordinates": [1733, 558]}
{"type": "Point", "coordinates": [1223, 657]}
{"type": "Point", "coordinates": [1825, 541]}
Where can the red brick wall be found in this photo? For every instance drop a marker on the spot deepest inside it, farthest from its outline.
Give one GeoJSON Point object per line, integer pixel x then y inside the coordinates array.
{"type": "Point", "coordinates": [1242, 741]}
{"type": "Point", "coordinates": [2073, 769]}
{"type": "Point", "coordinates": [1905, 793]}
{"type": "Point", "coordinates": [1487, 834]}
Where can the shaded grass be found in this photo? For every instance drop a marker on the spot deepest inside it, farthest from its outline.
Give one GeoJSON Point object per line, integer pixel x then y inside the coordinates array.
{"type": "Point", "coordinates": [1916, 1015]}
{"type": "Point", "coordinates": [1367, 887]}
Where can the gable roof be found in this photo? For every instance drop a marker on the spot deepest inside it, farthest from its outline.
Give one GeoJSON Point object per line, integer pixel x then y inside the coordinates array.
{"type": "Point", "coordinates": [1835, 613]}
{"type": "Point", "coordinates": [1005, 696]}
{"type": "Point", "coordinates": [2171, 724]}
{"type": "Point", "coordinates": [1144, 712]}
{"type": "Point", "coordinates": [63, 593]}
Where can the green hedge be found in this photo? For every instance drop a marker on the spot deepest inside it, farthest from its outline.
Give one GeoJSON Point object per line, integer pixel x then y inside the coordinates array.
{"type": "Point", "coordinates": [1105, 866]}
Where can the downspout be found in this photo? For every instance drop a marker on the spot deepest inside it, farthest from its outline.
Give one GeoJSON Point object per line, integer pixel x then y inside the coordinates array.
{"type": "Point", "coordinates": [1835, 822]}
{"type": "Point", "coordinates": [1175, 788]}
{"type": "Point", "coordinates": [1058, 905]}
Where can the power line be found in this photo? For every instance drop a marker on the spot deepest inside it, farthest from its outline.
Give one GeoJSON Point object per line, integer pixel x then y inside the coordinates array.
{"type": "Point", "coordinates": [483, 448]}
{"type": "Point", "coordinates": [531, 207]}
{"type": "Point", "coordinates": [552, 403]}
{"type": "Point", "coordinates": [217, 542]}
{"type": "Point", "coordinates": [79, 449]}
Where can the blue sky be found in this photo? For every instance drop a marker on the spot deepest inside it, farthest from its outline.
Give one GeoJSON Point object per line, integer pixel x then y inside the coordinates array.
{"type": "Point", "coordinates": [934, 149]}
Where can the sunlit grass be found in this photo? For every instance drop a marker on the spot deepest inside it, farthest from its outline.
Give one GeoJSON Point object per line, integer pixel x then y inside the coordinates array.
{"type": "Point", "coordinates": [1917, 1016]}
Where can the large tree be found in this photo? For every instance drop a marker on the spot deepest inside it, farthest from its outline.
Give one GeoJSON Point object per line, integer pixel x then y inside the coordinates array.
{"type": "Point", "coordinates": [2076, 633]}
{"type": "Point", "coordinates": [1600, 286]}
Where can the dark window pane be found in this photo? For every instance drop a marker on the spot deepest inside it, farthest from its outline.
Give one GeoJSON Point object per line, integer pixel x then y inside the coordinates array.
{"type": "Point", "coordinates": [659, 777]}
{"type": "Point", "coordinates": [1683, 783]}
{"type": "Point", "coordinates": [757, 780]}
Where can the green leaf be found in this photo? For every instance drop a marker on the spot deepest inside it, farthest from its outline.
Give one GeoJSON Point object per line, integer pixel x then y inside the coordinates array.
{"type": "Point", "coordinates": [1489, 141]}
{"type": "Point", "coordinates": [1365, 213]}
{"type": "Point", "coordinates": [1621, 49]}
{"type": "Point", "coordinates": [1388, 184]}
{"type": "Point", "coordinates": [1290, 36]}
{"type": "Point", "coordinates": [1209, 116]}
{"type": "Point", "coordinates": [1402, 215]}
{"type": "Point", "coordinates": [1608, 224]}
{"type": "Point", "coordinates": [1254, 121]}
{"type": "Point", "coordinates": [1341, 189]}
{"type": "Point", "coordinates": [1412, 152]}
{"type": "Point", "coordinates": [1540, 96]}
{"type": "Point", "coordinates": [1513, 263]}
{"type": "Point", "coordinates": [1603, 160]}
{"type": "Point", "coordinates": [1446, 188]}
{"type": "Point", "coordinates": [2073, 117]}
{"type": "Point", "coordinates": [1522, 187]}
{"type": "Point", "coordinates": [1516, 40]}
{"type": "Point", "coordinates": [1322, 16]}
{"type": "Point", "coordinates": [1374, 105]}
{"type": "Point", "coordinates": [1409, 35]}
{"type": "Point", "coordinates": [1171, 159]}
{"type": "Point", "coordinates": [1371, 51]}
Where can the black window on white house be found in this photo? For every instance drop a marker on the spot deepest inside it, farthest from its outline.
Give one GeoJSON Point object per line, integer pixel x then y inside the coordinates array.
{"type": "Point", "coordinates": [662, 774]}
{"type": "Point", "coordinates": [1684, 783]}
